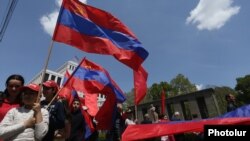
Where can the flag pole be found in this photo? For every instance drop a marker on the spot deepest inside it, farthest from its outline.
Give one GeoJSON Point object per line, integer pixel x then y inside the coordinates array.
{"type": "Point", "coordinates": [56, 95]}
{"type": "Point", "coordinates": [136, 113]}
{"type": "Point", "coordinates": [44, 70]}
{"type": "Point", "coordinates": [136, 116]}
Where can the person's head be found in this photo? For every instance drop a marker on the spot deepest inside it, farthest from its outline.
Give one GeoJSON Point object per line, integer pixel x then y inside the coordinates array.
{"type": "Point", "coordinates": [229, 97]}
{"type": "Point", "coordinates": [50, 89]}
{"type": "Point", "coordinates": [29, 94]}
{"type": "Point", "coordinates": [146, 116]}
{"type": "Point", "coordinates": [176, 114]}
{"type": "Point", "coordinates": [13, 84]}
{"type": "Point", "coordinates": [152, 108]}
{"type": "Point", "coordinates": [129, 113]}
{"type": "Point", "coordinates": [76, 104]}
{"type": "Point", "coordinates": [119, 107]}
{"type": "Point", "coordinates": [165, 117]}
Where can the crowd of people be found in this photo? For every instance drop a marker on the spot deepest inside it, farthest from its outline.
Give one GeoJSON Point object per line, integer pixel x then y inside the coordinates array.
{"type": "Point", "coordinates": [23, 116]}
{"type": "Point", "coordinates": [26, 115]}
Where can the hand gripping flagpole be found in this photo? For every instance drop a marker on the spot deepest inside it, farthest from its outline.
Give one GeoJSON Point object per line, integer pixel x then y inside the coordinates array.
{"type": "Point", "coordinates": [44, 71]}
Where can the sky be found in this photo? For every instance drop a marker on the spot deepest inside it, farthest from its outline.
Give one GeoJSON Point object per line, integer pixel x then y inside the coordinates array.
{"type": "Point", "coordinates": [205, 40]}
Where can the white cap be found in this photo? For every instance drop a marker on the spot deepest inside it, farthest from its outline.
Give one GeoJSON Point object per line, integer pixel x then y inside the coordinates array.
{"type": "Point", "coordinates": [176, 113]}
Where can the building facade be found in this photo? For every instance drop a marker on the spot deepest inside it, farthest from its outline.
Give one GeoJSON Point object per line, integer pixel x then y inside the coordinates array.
{"type": "Point", "coordinates": [196, 105]}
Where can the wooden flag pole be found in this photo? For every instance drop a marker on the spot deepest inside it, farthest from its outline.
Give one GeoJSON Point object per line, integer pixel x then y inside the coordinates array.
{"type": "Point", "coordinates": [44, 71]}
{"type": "Point", "coordinates": [56, 95]}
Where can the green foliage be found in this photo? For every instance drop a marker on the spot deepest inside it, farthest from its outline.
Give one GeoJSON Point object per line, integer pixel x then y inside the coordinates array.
{"type": "Point", "coordinates": [156, 89]}
{"type": "Point", "coordinates": [130, 98]}
{"type": "Point", "coordinates": [243, 89]}
{"type": "Point", "coordinates": [182, 85]}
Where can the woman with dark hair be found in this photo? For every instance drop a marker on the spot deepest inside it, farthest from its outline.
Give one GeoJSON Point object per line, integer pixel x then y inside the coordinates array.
{"type": "Point", "coordinates": [11, 96]}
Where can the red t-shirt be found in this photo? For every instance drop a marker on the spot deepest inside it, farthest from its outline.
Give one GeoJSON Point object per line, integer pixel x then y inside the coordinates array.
{"type": "Point", "coordinates": [5, 107]}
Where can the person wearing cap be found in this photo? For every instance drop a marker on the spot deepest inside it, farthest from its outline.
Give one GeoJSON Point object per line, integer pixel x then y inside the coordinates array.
{"type": "Point", "coordinates": [177, 117]}
{"type": "Point", "coordinates": [28, 122]}
{"type": "Point", "coordinates": [57, 115]}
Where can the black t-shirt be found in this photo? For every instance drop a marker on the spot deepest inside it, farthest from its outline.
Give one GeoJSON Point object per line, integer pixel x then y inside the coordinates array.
{"type": "Point", "coordinates": [56, 118]}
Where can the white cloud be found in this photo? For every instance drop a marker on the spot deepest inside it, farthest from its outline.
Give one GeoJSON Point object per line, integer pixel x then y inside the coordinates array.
{"type": "Point", "coordinates": [59, 3]}
{"type": "Point", "coordinates": [199, 86]}
{"type": "Point", "coordinates": [212, 14]}
{"type": "Point", "coordinates": [48, 21]}
{"type": "Point", "coordinates": [83, 1]}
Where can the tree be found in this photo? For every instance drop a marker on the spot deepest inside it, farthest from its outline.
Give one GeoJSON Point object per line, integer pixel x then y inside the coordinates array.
{"type": "Point", "coordinates": [243, 89]}
{"type": "Point", "coordinates": [181, 85]}
{"type": "Point", "coordinates": [156, 89]}
{"type": "Point", "coordinates": [130, 98]}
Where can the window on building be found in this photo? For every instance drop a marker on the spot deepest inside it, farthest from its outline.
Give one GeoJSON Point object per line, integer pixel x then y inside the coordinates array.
{"type": "Point", "coordinates": [59, 79]}
{"type": "Point", "coordinates": [170, 110]}
{"type": "Point", "coordinates": [202, 107]}
{"type": "Point", "coordinates": [53, 77]}
{"type": "Point", "coordinates": [46, 77]}
{"type": "Point", "coordinates": [71, 67]}
{"type": "Point", "coordinates": [186, 110]}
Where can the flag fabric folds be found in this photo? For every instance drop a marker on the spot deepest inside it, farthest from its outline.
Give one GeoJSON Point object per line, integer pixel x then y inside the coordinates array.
{"type": "Point", "coordinates": [140, 84]}
{"type": "Point", "coordinates": [105, 121]}
{"type": "Point", "coordinates": [91, 103]}
{"type": "Point", "coordinates": [90, 79]}
{"type": "Point", "coordinates": [96, 31]}
{"type": "Point", "coordinates": [240, 116]}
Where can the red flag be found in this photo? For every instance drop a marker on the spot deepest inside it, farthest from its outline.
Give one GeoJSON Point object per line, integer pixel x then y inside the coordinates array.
{"type": "Point", "coordinates": [91, 103]}
{"type": "Point", "coordinates": [144, 131]}
{"type": "Point", "coordinates": [65, 92]}
{"type": "Point", "coordinates": [140, 84]}
{"type": "Point", "coordinates": [96, 31]}
{"type": "Point", "coordinates": [90, 78]}
{"type": "Point", "coordinates": [105, 120]}
{"type": "Point", "coordinates": [163, 97]}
